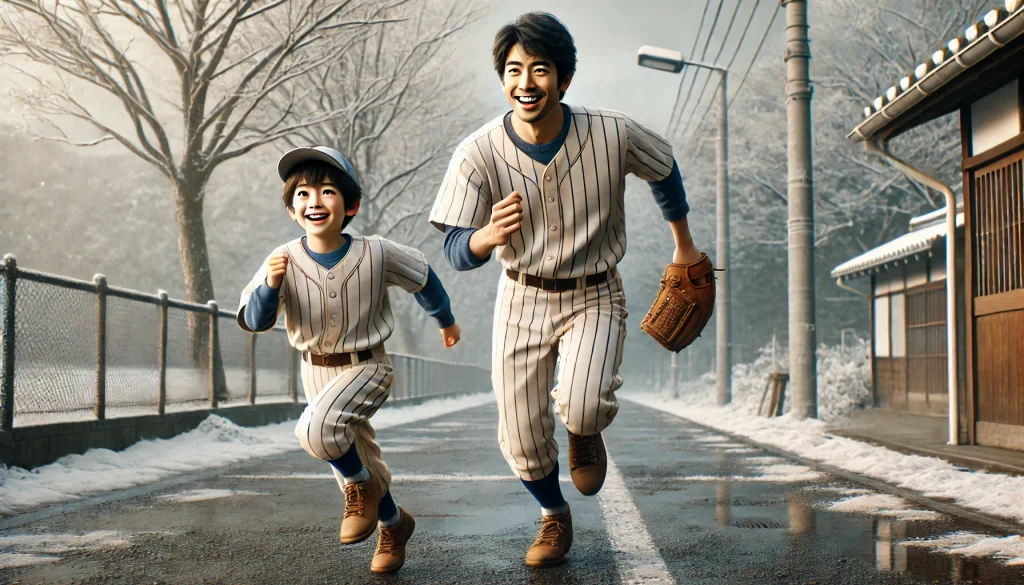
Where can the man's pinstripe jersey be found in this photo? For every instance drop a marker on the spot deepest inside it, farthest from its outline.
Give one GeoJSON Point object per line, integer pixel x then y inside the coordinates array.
{"type": "Point", "coordinates": [573, 210]}
{"type": "Point", "coordinates": [346, 308]}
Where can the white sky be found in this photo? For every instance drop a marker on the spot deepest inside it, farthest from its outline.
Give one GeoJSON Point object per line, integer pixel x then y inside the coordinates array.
{"type": "Point", "coordinates": [608, 34]}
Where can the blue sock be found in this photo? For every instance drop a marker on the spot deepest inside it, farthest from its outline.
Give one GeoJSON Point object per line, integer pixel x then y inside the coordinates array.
{"type": "Point", "coordinates": [387, 511]}
{"type": "Point", "coordinates": [348, 464]}
{"type": "Point", "coordinates": [547, 491]}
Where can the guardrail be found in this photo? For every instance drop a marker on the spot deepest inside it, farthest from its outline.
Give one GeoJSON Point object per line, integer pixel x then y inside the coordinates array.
{"type": "Point", "coordinates": [73, 350]}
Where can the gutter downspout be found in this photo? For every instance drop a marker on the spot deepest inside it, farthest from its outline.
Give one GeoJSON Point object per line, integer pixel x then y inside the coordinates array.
{"type": "Point", "coordinates": [881, 148]}
{"type": "Point", "coordinates": [844, 286]}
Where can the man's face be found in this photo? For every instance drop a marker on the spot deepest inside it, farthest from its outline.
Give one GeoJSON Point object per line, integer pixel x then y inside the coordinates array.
{"type": "Point", "coordinates": [319, 209]}
{"type": "Point", "coordinates": [531, 85]}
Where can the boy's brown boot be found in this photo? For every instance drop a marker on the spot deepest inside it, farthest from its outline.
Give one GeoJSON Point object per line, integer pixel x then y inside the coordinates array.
{"type": "Point", "coordinates": [588, 462]}
{"type": "Point", "coordinates": [361, 501]}
{"type": "Point", "coordinates": [553, 540]}
{"type": "Point", "coordinates": [390, 554]}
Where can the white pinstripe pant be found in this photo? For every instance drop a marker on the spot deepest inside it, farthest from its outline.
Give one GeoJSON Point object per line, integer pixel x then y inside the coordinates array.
{"type": "Point", "coordinates": [340, 400]}
{"type": "Point", "coordinates": [533, 330]}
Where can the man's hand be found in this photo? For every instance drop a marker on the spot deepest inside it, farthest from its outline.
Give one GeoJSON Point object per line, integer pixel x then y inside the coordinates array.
{"type": "Point", "coordinates": [277, 267]}
{"type": "Point", "coordinates": [506, 218]}
{"type": "Point", "coordinates": [451, 335]}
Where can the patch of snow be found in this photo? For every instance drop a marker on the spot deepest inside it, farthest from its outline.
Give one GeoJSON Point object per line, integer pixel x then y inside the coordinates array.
{"type": "Point", "coordinates": [217, 442]}
{"type": "Point", "coordinates": [882, 505]}
{"type": "Point", "coordinates": [33, 549]}
{"type": "Point", "coordinates": [206, 494]}
{"type": "Point", "coordinates": [1009, 549]}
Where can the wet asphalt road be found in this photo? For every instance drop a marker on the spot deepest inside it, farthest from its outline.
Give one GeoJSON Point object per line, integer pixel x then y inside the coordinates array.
{"type": "Point", "coordinates": [476, 528]}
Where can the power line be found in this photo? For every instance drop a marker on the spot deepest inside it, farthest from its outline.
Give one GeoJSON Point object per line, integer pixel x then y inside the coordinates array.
{"type": "Point", "coordinates": [682, 78]}
{"type": "Point", "coordinates": [725, 40]}
{"type": "Point", "coordinates": [756, 53]}
{"type": "Point", "coordinates": [703, 52]}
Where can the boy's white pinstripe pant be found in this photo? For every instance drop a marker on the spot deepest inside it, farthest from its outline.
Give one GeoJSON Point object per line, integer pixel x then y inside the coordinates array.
{"type": "Point", "coordinates": [340, 400]}
{"type": "Point", "coordinates": [533, 329]}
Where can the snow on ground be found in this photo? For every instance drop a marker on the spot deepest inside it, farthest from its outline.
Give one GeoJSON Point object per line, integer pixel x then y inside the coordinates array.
{"type": "Point", "coordinates": [775, 473]}
{"type": "Point", "coordinates": [992, 493]}
{"type": "Point", "coordinates": [206, 494]}
{"type": "Point", "coordinates": [34, 549]}
{"type": "Point", "coordinates": [882, 505]}
{"type": "Point", "coordinates": [1009, 548]}
{"type": "Point", "coordinates": [215, 443]}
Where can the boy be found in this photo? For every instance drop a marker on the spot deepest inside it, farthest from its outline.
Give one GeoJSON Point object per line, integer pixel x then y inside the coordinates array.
{"type": "Point", "coordinates": [542, 188]}
{"type": "Point", "coordinates": [332, 287]}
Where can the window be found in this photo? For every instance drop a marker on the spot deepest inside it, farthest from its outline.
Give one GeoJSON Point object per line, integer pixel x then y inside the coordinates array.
{"type": "Point", "coordinates": [898, 328]}
{"type": "Point", "coordinates": [881, 326]}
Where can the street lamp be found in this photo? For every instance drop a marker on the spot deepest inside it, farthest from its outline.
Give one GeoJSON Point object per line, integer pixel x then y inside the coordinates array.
{"type": "Point", "coordinates": [673, 62]}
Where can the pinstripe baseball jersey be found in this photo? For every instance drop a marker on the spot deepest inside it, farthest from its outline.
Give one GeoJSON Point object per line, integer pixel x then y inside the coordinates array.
{"type": "Point", "coordinates": [573, 209]}
{"type": "Point", "coordinates": [346, 308]}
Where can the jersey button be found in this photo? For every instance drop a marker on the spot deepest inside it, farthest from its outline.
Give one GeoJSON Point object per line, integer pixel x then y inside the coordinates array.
{"type": "Point", "coordinates": [333, 294]}
{"type": "Point", "coordinates": [547, 178]}
{"type": "Point", "coordinates": [551, 199]}
{"type": "Point", "coordinates": [328, 344]}
{"type": "Point", "coordinates": [554, 228]}
{"type": "Point", "coordinates": [331, 276]}
{"type": "Point", "coordinates": [334, 316]}
{"type": "Point", "coordinates": [550, 258]}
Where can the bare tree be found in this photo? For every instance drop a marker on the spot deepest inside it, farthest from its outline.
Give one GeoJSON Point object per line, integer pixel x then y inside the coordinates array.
{"type": "Point", "coordinates": [181, 84]}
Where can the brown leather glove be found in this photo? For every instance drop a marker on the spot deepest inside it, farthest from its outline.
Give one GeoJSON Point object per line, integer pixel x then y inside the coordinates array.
{"type": "Point", "coordinates": [684, 304]}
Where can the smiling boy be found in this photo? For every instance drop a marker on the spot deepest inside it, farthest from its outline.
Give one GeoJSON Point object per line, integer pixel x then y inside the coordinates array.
{"type": "Point", "coordinates": [542, 187]}
{"type": "Point", "coordinates": [333, 289]}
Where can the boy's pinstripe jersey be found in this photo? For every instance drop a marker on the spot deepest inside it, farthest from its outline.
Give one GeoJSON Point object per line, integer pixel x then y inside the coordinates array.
{"type": "Point", "coordinates": [573, 210]}
{"type": "Point", "coordinates": [345, 308]}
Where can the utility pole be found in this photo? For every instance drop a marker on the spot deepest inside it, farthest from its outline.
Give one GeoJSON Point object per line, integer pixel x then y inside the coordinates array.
{"type": "Point", "coordinates": [802, 337]}
{"type": "Point", "coordinates": [724, 374]}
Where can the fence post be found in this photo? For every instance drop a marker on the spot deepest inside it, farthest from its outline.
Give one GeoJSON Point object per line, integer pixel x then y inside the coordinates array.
{"type": "Point", "coordinates": [9, 269]}
{"type": "Point", "coordinates": [213, 352]}
{"type": "Point", "coordinates": [101, 346]}
{"type": "Point", "coordinates": [293, 372]}
{"type": "Point", "coordinates": [161, 392]}
{"type": "Point", "coordinates": [252, 368]}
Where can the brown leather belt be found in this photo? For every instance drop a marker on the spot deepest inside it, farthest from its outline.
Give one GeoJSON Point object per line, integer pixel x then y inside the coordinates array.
{"type": "Point", "coordinates": [336, 360]}
{"type": "Point", "coordinates": [557, 284]}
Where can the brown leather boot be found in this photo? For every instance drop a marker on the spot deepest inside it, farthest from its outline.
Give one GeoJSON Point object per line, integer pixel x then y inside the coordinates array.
{"type": "Point", "coordinates": [361, 501]}
{"type": "Point", "coordinates": [553, 540]}
{"type": "Point", "coordinates": [588, 462]}
{"type": "Point", "coordinates": [390, 554]}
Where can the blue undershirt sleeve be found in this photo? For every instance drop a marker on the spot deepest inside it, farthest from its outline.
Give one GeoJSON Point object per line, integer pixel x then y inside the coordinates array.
{"type": "Point", "coordinates": [435, 301]}
{"type": "Point", "coordinates": [670, 195]}
{"type": "Point", "coordinates": [261, 310]}
{"type": "Point", "coordinates": [456, 249]}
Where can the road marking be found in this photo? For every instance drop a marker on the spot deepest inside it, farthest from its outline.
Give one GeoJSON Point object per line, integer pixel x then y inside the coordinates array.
{"type": "Point", "coordinates": [636, 556]}
{"type": "Point", "coordinates": [395, 478]}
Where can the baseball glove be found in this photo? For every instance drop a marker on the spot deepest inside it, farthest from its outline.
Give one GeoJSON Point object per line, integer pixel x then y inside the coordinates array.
{"type": "Point", "coordinates": [684, 304]}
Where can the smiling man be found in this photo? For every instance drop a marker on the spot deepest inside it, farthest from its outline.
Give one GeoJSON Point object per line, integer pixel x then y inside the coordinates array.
{"type": "Point", "coordinates": [542, 186]}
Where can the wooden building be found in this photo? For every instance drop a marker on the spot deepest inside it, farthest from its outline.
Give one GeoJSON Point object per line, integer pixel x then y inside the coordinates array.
{"type": "Point", "coordinates": [906, 280]}
{"type": "Point", "coordinates": [978, 74]}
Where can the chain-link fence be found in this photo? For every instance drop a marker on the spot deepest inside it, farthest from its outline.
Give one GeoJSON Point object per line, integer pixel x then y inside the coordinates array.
{"type": "Point", "coordinates": [76, 350]}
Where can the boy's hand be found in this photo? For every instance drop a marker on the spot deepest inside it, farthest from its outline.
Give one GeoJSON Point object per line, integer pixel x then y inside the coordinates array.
{"type": "Point", "coordinates": [277, 267]}
{"type": "Point", "coordinates": [451, 335]}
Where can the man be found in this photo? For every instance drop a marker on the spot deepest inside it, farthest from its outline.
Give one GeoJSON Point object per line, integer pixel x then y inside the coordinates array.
{"type": "Point", "coordinates": [543, 185]}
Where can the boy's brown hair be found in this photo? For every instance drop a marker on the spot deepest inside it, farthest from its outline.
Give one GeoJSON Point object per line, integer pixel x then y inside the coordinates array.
{"type": "Point", "coordinates": [314, 172]}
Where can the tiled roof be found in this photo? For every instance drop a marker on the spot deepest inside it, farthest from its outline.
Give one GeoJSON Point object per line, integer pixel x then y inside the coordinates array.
{"type": "Point", "coordinates": [998, 27]}
{"type": "Point", "coordinates": [914, 242]}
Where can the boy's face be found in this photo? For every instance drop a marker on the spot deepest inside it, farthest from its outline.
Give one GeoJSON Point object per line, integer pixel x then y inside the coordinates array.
{"type": "Point", "coordinates": [320, 209]}
{"type": "Point", "coordinates": [531, 85]}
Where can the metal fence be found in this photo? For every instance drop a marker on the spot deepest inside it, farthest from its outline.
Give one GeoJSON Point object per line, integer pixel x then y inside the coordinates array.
{"type": "Point", "coordinates": [77, 350]}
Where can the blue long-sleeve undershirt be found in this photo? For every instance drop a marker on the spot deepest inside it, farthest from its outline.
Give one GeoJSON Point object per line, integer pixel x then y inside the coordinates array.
{"type": "Point", "coordinates": [261, 310]}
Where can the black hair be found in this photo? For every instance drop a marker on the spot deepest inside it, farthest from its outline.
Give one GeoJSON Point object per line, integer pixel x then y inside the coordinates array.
{"type": "Point", "coordinates": [539, 34]}
{"type": "Point", "coordinates": [314, 172]}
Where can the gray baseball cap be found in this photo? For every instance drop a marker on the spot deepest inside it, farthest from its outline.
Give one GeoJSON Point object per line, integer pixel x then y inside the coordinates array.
{"type": "Point", "coordinates": [321, 153]}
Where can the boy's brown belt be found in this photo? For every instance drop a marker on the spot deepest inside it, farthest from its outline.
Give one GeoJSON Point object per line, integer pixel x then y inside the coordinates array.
{"type": "Point", "coordinates": [557, 284]}
{"type": "Point", "coordinates": [336, 360]}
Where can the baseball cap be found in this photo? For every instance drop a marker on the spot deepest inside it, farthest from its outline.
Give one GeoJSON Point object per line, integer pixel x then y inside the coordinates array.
{"type": "Point", "coordinates": [321, 153]}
